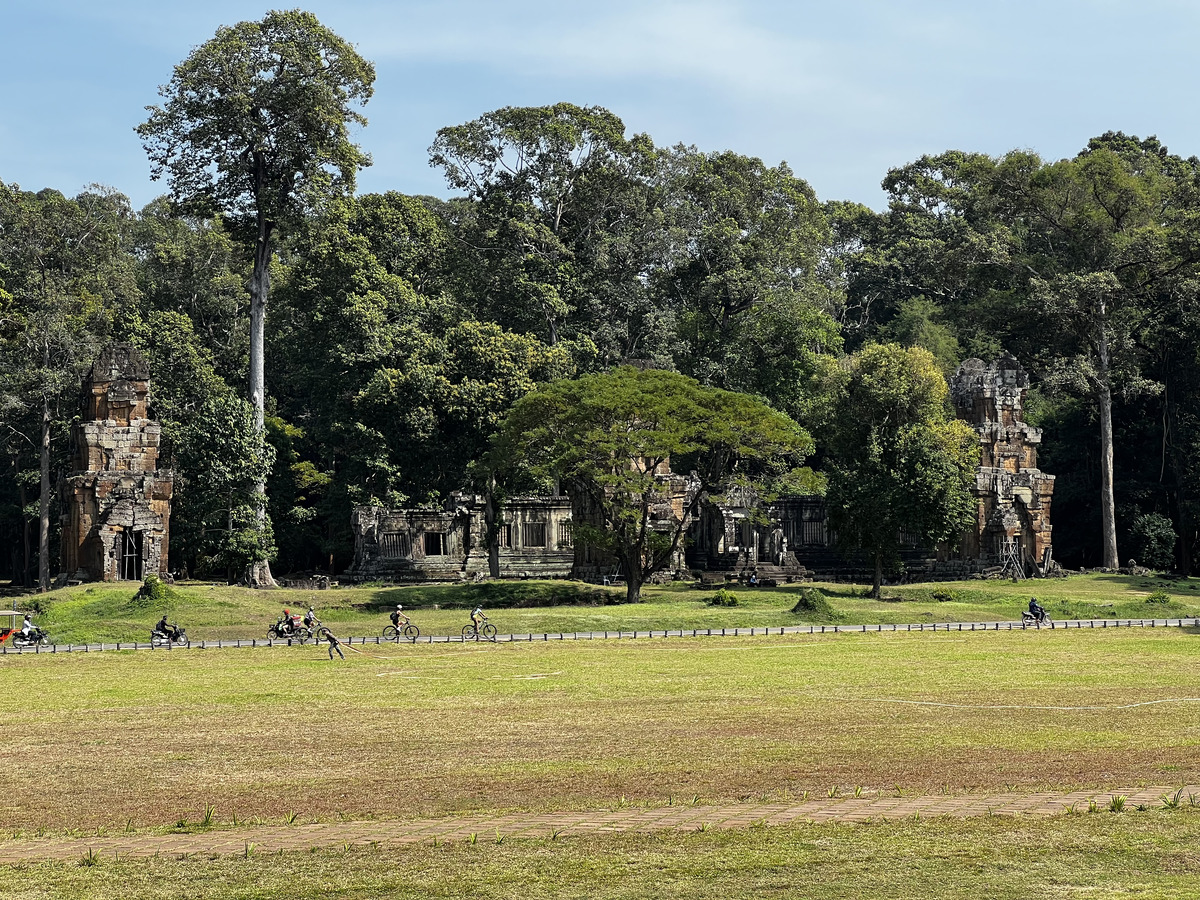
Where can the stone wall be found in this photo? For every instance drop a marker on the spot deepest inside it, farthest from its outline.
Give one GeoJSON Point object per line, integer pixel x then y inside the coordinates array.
{"type": "Point", "coordinates": [534, 540]}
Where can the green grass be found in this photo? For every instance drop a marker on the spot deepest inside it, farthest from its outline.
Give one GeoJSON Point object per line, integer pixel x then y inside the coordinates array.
{"type": "Point", "coordinates": [1148, 855]}
{"type": "Point", "coordinates": [108, 612]}
{"type": "Point", "coordinates": [428, 730]}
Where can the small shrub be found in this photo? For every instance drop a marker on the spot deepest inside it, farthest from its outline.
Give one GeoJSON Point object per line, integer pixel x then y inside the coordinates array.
{"type": "Point", "coordinates": [813, 603]}
{"type": "Point", "coordinates": [153, 594]}
{"type": "Point", "coordinates": [1159, 596]}
{"type": "Point", "coordinates": [723, 597]}
{"type": "Point", "coordinates": [944, 596]}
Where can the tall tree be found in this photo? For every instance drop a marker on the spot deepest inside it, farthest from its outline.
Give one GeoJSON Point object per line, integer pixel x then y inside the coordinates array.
{"type": "Point", "coordinates": [610, 437]}
{"type": "Point", "coordinates": [559, 233]}
{"type": "Point", "coordinates": [1066, 264]}
{"type": "Point", "coordinates": [896, 460]}
{"type": "Point", "coordinates": [256, 123]}
{"type": "Point", "coordinates": [66, 268]}
{"type": "Point", "coordinates": [745, 273]}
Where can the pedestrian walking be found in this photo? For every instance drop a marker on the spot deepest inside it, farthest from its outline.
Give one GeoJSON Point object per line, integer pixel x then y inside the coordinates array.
{"type": "Point", "coordinates": [334, 644]}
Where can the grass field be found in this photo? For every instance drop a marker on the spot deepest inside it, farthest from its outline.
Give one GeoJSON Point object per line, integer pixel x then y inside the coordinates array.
{"type": "Point", "coordinates": [108, 612]}
{"type": "Point", "coordinates": [144, 740]}
{"type": "Point", "coordinates": [1143, 854]}
{"type": "Point", "coordinates": [141, 742]}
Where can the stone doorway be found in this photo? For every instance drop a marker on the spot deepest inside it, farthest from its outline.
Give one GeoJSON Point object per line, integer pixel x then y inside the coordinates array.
{"type": "Point", "coordinates": [129, 563]}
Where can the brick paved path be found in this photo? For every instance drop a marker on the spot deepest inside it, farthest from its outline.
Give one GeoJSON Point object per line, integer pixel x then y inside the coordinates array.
{"type": "Point", "coordinates": [271, 838]}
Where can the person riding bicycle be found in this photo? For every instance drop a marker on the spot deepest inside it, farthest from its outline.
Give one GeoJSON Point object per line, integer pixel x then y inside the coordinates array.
{"type": "Point", "coordinates": [398, 615]}
{"type": "Point", "coordinates": [310, 618]}
{"type": "Point", "coordinates": [1036, 610]}
{"type": "Point", "coordinates": [478, 618]}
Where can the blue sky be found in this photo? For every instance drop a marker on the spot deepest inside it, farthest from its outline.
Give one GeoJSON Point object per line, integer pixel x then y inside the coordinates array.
{"type": "Point", "coordinates": [841, 90]}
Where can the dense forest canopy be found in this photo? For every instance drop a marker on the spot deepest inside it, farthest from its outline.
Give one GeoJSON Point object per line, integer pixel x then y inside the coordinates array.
{"type": "Point", "coordinates": [403, 329]}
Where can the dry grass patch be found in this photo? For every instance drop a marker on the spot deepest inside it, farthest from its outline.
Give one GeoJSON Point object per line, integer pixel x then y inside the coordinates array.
{"type": "Point", "coordinates": [420, 731]}
{"type": "Point", "coordinates": [1151, 855]}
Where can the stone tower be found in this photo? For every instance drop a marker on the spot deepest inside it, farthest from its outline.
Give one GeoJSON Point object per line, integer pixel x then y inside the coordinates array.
{"type": "Point", "coordinates": [118, 503]}
{"type": "Point", "coordinates": [1012, 494]}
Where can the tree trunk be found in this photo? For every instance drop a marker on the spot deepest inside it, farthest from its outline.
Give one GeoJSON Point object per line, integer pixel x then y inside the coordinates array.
{"type": "Point", "coordinates": [26, 569]}
{"type": "Point", "coordinates": [44, 503]}
{"type": "Point", "coordinates": [633, 586]}
{"type": "Point", "coordinates": [259, 574]}
{"type": "Point", "coordinates": [491, 518]}
{"type": "Point", "coordinates": [877, 586]}
{"type": "Point", "coordinates": [1108, 510]}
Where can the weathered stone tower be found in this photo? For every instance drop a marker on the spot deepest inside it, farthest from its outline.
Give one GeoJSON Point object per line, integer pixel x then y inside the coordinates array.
{"type": "Point", "coordinates": [1013, 495]}
{"type": "Point", "coordinates": [118, 502]}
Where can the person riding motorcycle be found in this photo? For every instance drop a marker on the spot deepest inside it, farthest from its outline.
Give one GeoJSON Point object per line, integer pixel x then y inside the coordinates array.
{"type": "Point", "coordinates": [285, 623]}
{"type": "Point", "coordinates": [398, 615]}
{"type": "Point", "coordinates": [164, 628]}
{"type": "Point", "coordinates": [1036, 610]}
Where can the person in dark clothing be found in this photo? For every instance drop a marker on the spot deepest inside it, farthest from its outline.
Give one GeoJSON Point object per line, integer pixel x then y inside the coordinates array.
{"type": "Point", "coordinates": [334, 644]}
{"type": "Point", "coordinates": [164, 628]}
{"type": "Point", "coordinates": [1036, 610]}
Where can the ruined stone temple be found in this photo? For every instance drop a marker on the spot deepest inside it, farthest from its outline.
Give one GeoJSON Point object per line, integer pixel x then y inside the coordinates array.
{"type": "Point", "coordinates": [535, 537]}
{"type": "Point", "coordinates": [447, 544]}
{"type": "Point", "coordinates": [786, 538]}
{"type": "Point", "coordinates": [118, 502]}
{"type": "Point", "coordinates": [1012, 494]}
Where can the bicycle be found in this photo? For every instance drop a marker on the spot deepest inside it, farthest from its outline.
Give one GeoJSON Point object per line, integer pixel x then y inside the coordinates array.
{"type": "Point", "coordinates": [471, 633]}
{"type": "Point", "coordinates": [409, 632]}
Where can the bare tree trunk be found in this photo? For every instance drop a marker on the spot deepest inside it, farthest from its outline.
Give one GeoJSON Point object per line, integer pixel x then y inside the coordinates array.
{"type": "Point", "coordinates": [260, 286]}
{"type": "Point", "coordinates": [877, 585]}
{"type": "Point", "coordinates": [491, 519]}
{"type": "Point", "coordinates": [1108, 510]}
{"type": "Point", "coordinates": [26, 578]}
{"type": "Point", "coordinates": [44, 503]}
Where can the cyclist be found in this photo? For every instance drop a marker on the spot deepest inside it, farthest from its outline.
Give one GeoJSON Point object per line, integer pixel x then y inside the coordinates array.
{"type": "Point", "coordinates": [1036, 610]}
{"type": "Point", "coordinates": [398, 615]}
{"type": "Point", "coordinates": [478, 618]}
{"type": "Point", "coordinates": [310, 619]}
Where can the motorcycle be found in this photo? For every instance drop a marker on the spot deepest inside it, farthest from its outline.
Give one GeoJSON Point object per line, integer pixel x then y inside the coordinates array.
{"type": "Point", "coordinates": [1039, 619]}
{"type": "Point", "coordinates": [285, 630]}
{"type": "Point", "coordinates": [35, 637]}
{"type": "Point", "coordinates": [161, 639]}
